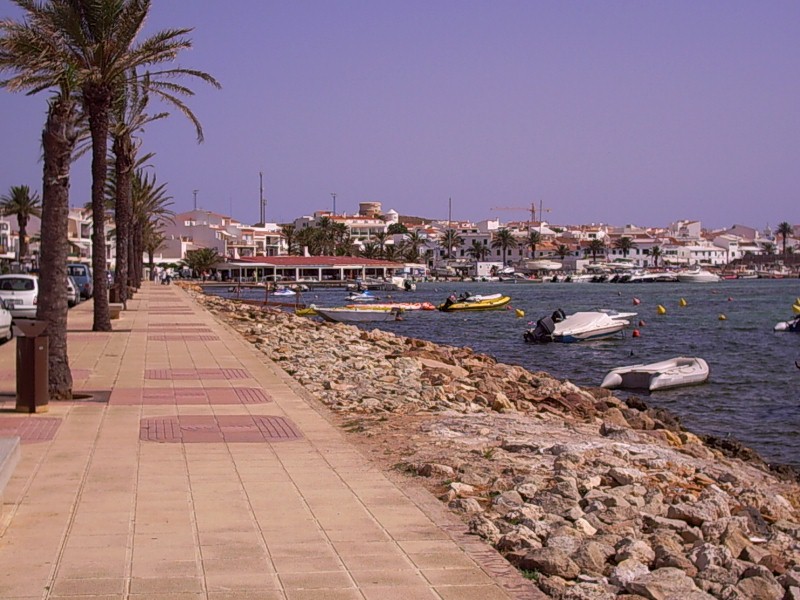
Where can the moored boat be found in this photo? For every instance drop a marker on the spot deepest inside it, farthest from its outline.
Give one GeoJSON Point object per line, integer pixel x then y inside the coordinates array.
{"type": "Point", "coordinates": [698, 276]}
{"type": "Point", "coordinates": [491, 302]}
{"type": "Point", "coordinates": [577, 327]}
{"type": "Point", "coordinates": [791, 326]}
{"type": "Point", "coordinates": [390, 305]}
{"type": "Point", "coordinates": [358, 314]}
{"type": "Point", "coordinates": [666, 374]}
{"type": "Point", "coordinates": [365, 296]}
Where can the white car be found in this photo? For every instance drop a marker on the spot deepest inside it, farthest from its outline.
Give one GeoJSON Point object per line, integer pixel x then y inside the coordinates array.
{"type": "Point", "coordinates": [73, 294]}
{"type": "Point", "coordinates": [5, 322]}
{"type": "Point", "coordinates": [20, 292]}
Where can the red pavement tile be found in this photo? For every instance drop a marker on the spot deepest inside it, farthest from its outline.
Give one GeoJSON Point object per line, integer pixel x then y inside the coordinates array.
{"type": "Point", "coordinates": [184, 374]}
{"type": "Point", "coordinates": [179, 337]}
{"type": "Point", "coordinates": [224, 428]}
{"type": "Point", "coordinates": [29, 429]}
{"type": "Point", "coordinates": [188, 396]}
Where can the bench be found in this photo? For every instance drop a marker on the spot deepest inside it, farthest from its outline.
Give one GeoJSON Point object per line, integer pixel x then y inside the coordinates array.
{"type": "Point", "coordinates": [114, 308]}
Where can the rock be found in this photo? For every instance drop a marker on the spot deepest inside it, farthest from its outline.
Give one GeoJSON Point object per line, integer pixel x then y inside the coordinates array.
{"type": "Point", "coordinates": [550, 561]}
{"type": "Point", "coordinates": [638, 550]}
{"type": "Point", "coordinates": [592, 556]}
{"type": "Point", "coordinates": [436, 470]}
{"type": "Point", "coordinates": [461, 489]}
{"type": "Point", "coordinates": [706, 555]}
{"type": "Point", "coordinates": [627, 571]}
{"type": "Point", "coordinates": [520, 538]}
{"type": "Point", "coordinates": [759, 588]}
{"type": "Point", "coordinates": [665, 584]}
{"type": "Point", "coordinates": [482, 526]}
{"type": "Point", "coordinates": [623, 476]}
{"type": "Point", "coordinates": [585, 527]}
{"type": "Point", "coordinates": [466, 505]}
{"type": "Point", "coordinates": [694, 514]}
{"type": "Point", "coordinates": [734, 540]}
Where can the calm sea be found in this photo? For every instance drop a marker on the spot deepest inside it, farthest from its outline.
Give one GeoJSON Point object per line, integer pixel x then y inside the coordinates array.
{"type": "Point", "coordinates": [753, 393]}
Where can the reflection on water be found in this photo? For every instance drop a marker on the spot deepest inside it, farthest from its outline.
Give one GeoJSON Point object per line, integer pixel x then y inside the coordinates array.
{"type": "Point", "coordinates": [752, 393]}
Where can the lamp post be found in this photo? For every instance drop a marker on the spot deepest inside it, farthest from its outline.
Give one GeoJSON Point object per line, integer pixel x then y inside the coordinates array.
{"type": "Point", "coordinates": [333, 195]}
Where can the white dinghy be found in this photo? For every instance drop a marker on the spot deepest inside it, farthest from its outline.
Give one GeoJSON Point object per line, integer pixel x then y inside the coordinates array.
{"type": "Point", "coordinates": [670, 373]}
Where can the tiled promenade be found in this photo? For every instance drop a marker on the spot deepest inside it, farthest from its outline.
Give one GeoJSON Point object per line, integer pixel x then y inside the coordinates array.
{"type": "Point", "coordinates": [195, 469]}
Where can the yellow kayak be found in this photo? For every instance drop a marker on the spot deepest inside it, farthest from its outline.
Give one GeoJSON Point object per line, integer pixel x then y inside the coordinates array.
{"type": "Point", "coordinates": [486, 304]}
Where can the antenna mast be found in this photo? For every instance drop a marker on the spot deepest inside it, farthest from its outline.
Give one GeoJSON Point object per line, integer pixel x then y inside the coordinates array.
{"type": "Point", "coordinates": [262, 202]}
{"type": "Point", "coordinates": [194, 192]}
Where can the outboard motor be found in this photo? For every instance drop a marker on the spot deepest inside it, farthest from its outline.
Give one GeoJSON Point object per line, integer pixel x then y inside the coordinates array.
{"type": "Point", "coordinates": [542, 333]}
{"type": "Point", "coordinates": [558, 316]}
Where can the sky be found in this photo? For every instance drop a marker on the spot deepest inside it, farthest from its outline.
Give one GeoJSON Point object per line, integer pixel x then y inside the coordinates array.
{"type": "Point", "coordinates": [599, 112]}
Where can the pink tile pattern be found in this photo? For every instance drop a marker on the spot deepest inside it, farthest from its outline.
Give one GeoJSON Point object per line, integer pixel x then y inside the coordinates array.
{"type": "Point", "coordinates": [29, 429]}
{"type": "Point", "coordinates": [180, 337]}
{"type": "Point", "coordinates": [188, 396]}
{"type": "Point", "coordinates": [93, 336]}
{"type": "Point", "coordinates": [218, 429]}
{"type": "Point", "coordinates": [184, 374]}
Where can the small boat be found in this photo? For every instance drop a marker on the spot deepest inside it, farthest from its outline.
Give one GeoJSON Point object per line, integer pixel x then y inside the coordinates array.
{"type": "Point", "coordinates": [358, 314]}
{"type": "Point", "coordinates": [577, 327]}
{"type": "Point", "coordinates": [791, 326]}
{"type": "Point", "coordinates": [365, 296]}
{"type": "Point", "coordinates": [390, 305]}
{"type": "Point", "coordinates": [284, 292]}
{"type": "Point", "coordinates": [485, 303]}
{"type": "Point", "coordinates": [670, 373]}
{"type": "Point", "coordinates": [698, 276]}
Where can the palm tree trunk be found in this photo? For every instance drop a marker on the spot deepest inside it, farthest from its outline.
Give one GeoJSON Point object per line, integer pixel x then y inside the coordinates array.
{"type": "Point", "coordinates": [123, 165]}
{"type": "Point", "coordinates": [58, 140]}
{"type": "Point", "coordinates": [97, 100]}
{"type": "Point", "coordinates": [22, 222]}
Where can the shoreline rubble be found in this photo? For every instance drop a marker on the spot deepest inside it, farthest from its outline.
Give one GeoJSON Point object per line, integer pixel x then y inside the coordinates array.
{"type": "Point", "coordinates": [590, 496]}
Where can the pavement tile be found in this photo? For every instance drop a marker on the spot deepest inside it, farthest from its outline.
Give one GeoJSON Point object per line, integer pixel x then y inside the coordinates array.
{"type": "Point", "coordinates": [88, 587]}
{"type": "Point", "coordinates": [316, 580]}
{"type": "Point", "coordinates": [166, 585]}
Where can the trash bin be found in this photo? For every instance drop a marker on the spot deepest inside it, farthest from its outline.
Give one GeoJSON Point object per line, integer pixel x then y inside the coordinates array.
{"type": "Point", "coordinates": [32, 365]}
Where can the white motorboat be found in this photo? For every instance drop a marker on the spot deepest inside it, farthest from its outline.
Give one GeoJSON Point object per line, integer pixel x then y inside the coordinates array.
{"type": "Point", "coordinates": [578, 327]}
{"type": "Point", "coordinates": [284, 292]}
{"type": "Point", "coordinates": [792, 325]}
{"type": "Point", "coordinates": [365, 296]}
{"type": "Point", "coordinates": [358, 315]}
{"type": "Point", "coordinates": [670, 373]}
{"type": "Point", "coordinates": [698, 276]}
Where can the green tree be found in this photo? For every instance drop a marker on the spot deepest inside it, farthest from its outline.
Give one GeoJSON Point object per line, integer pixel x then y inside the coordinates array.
{"type": "Point", "coordinates": [562, 251]}
{"type": "Point", "coordinates": [478, 250]}
{"type": "Point", "coordinates": [370, 250]}
{"type": "Point", "coordinates": [450, 239]}
{"type": "Point", "coordinates": [29, 50]}
{"type": "Point", "coordinates": [380, 240]}
{"type": "Point", "coordinates": [785, 230]}
{"type": "Point", "coordinates": [503, 239]}
{"type": "Point", "coordinates": [290, 233]}
{"type": "Point", "coordinates": [596, 246]}
{"type": "Point", "coordinates": [150, 205]}
{"type": "Point", "coordinates": [768, 248]}
{"type": "Point", "coordinates": [397, 228]}
{"type": "Point", "coordinates": [532, 241]}
{"type": "Point", "coordinates": [22, 204]}
{"type": "Point", "coordinates": [98, 41]}
{"type": "Point", "coordinates": [656, 253]}
{"type": "Point", "coordinates": [411, 245]}
{"type": "Point", "coordinates": [625, 244]}
{"type": "Point", "coordinates": [202, 259]}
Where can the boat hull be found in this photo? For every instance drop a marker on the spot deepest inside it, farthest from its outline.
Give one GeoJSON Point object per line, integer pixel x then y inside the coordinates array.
{"type": "Point", "coordinates": [667, 374]}
{"type": "Point", "coordinates": [357, 315]}
{"type": "Point", "coordinates": [489, 304]}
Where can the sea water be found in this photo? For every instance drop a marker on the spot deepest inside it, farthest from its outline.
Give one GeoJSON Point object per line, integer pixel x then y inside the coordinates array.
{"type": "Point", "coordinates": [753, 392]}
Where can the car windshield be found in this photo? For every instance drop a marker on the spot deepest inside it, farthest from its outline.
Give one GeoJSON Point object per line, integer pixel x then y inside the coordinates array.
{"type": "Point", "coordinates": [76, 270]}
{"type": "Point", "coordinates": [16, 284]}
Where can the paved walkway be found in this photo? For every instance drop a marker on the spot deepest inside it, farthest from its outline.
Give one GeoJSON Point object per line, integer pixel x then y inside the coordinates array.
{"type": "Point", "coordinates": [194, 469]}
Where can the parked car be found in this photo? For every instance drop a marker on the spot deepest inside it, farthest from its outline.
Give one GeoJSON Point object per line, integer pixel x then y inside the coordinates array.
{"type": "Point", "coordinates": [20, 293]}
{"type": "Point", "coordinates": [82, 274]}
{"type": "Point", "coordinates": [73, 293]}
{"type": "Point", "coordinates": [5, 322]}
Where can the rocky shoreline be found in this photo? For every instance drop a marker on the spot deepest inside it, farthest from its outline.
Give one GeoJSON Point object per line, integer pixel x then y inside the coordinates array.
{"type": "Point", "coordinates": [590, 496]}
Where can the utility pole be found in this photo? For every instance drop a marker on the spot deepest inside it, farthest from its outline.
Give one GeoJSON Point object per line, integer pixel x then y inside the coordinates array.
{"type": "Point", "coordinates": [333, 195]}
{"type": "Point", "coordinates": [194, 192]}
{"type": "Point", "coordinates": [262, 203]}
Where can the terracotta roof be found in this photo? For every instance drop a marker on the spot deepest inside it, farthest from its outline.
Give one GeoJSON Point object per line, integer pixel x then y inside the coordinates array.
{"type": "Point", "coordinates": [315, 261]}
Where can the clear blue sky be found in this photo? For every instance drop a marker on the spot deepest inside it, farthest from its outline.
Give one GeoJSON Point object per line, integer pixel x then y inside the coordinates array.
{"type": "Point", "coordinates": [616, 112]}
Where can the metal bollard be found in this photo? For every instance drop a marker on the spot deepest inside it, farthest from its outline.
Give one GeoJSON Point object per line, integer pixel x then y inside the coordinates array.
{"type": "Point", "coordinates": [33, 366]}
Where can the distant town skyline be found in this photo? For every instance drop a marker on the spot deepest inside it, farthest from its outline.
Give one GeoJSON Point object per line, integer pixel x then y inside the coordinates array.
{"type": "Point", "coordinates": [623, 112]}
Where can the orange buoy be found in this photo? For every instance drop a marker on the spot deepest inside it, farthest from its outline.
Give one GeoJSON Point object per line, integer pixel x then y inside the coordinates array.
{"type": "Point", "coordinates": [723, 318]}
{"type": "Point", "coordinates": [641, 323]}
{"type": "Point", "coordinates": [636, 302]}
{"type": "Point", "coordinates": [730, 299]}
{"type": "Point", "coordinates": [660, 309]}
{"type": "Point", "coordinates": [682, 302]}
{"type": "Point", "coordinates": [635, 333]}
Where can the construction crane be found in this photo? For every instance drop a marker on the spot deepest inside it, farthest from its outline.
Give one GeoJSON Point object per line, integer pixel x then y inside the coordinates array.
{"type": "Point", "coordinates": [531, 209]}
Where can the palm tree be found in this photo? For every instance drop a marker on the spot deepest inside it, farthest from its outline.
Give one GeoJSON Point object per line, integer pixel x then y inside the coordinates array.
{"type": "Point", "coordinates": [150, 211]}
{"type": "Point", "coordinates": [380, 239]}
{"type": "Point", "coordinates": [562, 251]}
{"type": "Point", "coordinates": [534, 239]}
{"type": "Point", "coordinates": [370, 250]}
{"type": "Point", "coordinates": [656, 253]}
{"type": "Point", "coordinates": [450, 240]}
{"type": "Point", "coordinates": [503, 239]}
{"type": "Point", "coordinates": [785, 230]}
{"type": "Point", "coordinates": [595, 247]}
{"type": "Point", "coordinates": [202, 259]}
{"type": "Point", "coordinates": [478, 250]}
{"type": "Point", "coordinates": [625, 244]}
{"type": "Point", "coordinates": [290, 233]}
{"type": "Point", "coordinates": [768, 247]}
{"type": "Point", "coordinates": [97, 42]}
{"type": "Point", "coordinates": [340, 236]}
{"type": "Point", "coordinates": [411, 244]}
{"type": "Point", "coordinates": [23, 204]}
{"type": "Point", "coordinates": [30, 50]}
